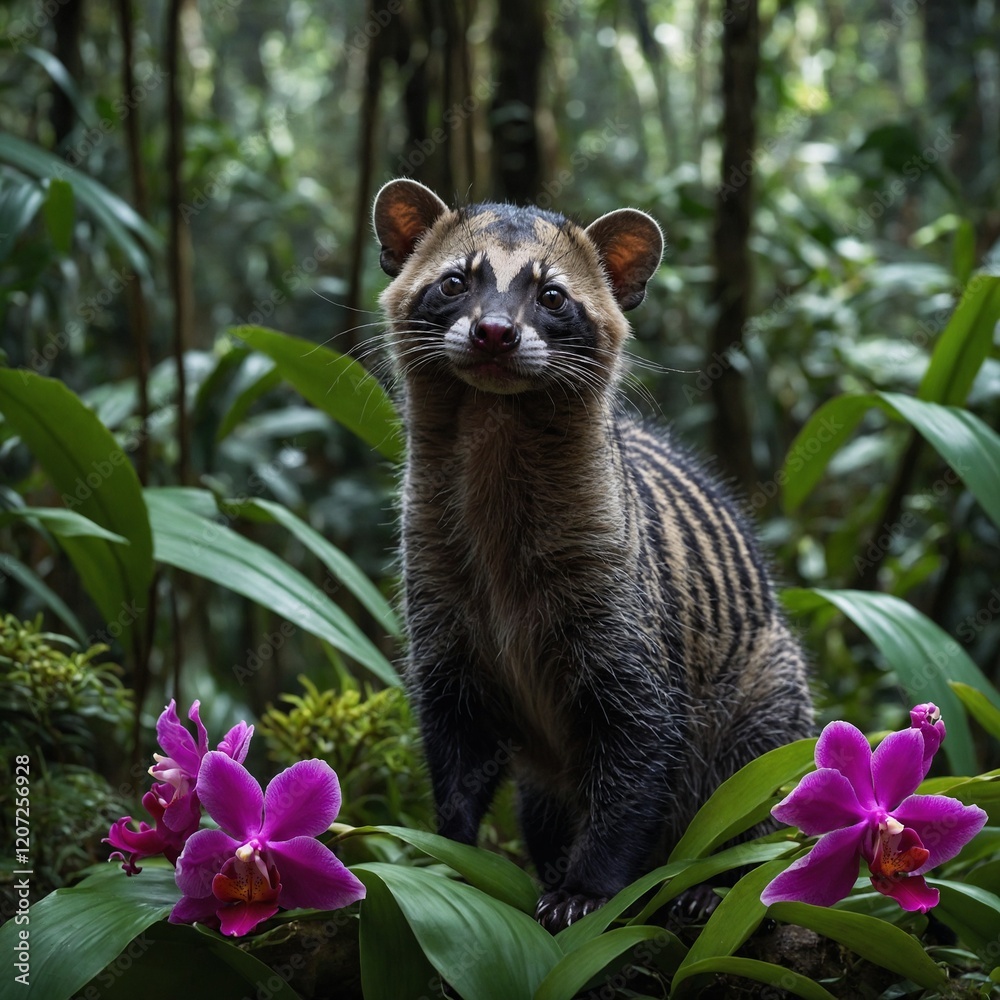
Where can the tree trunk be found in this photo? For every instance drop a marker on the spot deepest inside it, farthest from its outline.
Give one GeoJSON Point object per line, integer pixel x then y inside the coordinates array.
{"type": "Point", "coordinates": [733, 282]}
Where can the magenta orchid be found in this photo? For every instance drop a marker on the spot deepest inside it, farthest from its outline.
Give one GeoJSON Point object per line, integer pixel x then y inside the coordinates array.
{"type": "Point", "coordinates": [264, 855]}
{"type": "Point", "coordinates": [173, 800]}
{"type": "Point", "coordinates": [862, 803]}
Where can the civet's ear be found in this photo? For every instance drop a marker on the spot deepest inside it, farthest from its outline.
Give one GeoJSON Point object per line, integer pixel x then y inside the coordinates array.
{"type": "Point", "coordinates": [404, 211]}
{"type": "Point", "coordinates": [630, 245]}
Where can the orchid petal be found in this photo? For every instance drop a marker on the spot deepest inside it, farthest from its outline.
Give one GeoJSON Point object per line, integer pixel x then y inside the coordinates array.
{"type": "Point", "coordinates": [236, 743]}
{"type": "Point", "coordinates": [897, 767]}
{"type": "Point", "coordinates": [237, 919]}
{"type": "Point", "coordinates": [193, 909]}
{"type": "Point", "coordinates": [312, 875]}
{"type": "Point", "coordinates": [826, 874]}
{"type": "Point", "coordinates": [230, 795]}
{"type": "Point", "coordinates": [944, 825]}
{"type": "Point", "coordinates": [823, 800]}
{"type": "Point", "coordinates": [202, 859]}
{"type": "Point", "coordinates": [845, 748]}
{"type": "Point", "coordinates": [911, 892]}
{"type": "Point", "coordinates": [194, 715]}
{"type": "Point", "coordinates": [301, 801]}
{"type": "Point", "coordinates": [177, 741]}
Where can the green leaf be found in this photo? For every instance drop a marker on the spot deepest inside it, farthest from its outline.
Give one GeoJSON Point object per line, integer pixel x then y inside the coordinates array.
{"type": "Point", "coordinates": [265, 380]}
{"type": "Point", "coordinates": [335, 383]}
{"type": "Point", "coordinates": [384, 933]}
{"type": "Point", "coordinates": [575, 970]}
{"type": "Point", "coordinates": [734, 920]}
{"type": "Point", "coordinates": [967, 444]}
{"type": "Point", "coordinates": [493, 874]}
{"type": "Point", "coordinates": [484, 948]}
{"type": "Point", "coordinates": [342, 568]}
{"type": "Point", "coordinates": [979, 707]}
{"type": "Point", "coordinates": [59, 214]}
{"type": "Point", "coordinates": [20, 201]}
{"type": "Point", "coordinates": [965, 342]}
{"type": "Point", "coordinates": [705, 869]}
{"type": "Point", "coordinates": [736, 803]}
{"type": "Point", "coordinates": [822, 436]}
{"type": "Point", "coordinates": [211, 550]}
{"type": "Point", "coordinates": [33, 583]}
{"type": "Point", "coordinates": [124, 226]}
{"type": "Point", "coordinates": [924, 657]}
{"type": "Point", "coordinates": [876, 940]}
{"type": "Point", "coordinates": [62, 523]}
{"type": "Point", "coordinates": [973, 913]}
{"type": "Point", "coordinates": [93, 923]}
{"type": "Point", "coordinates": [96, 479]}
{"type": "Point", "coordinates": [762, 972]}
{"type": "Point", "coordinates": [177, 960]}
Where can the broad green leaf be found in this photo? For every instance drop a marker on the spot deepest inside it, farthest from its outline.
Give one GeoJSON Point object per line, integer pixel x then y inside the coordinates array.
{"type": "Point", "coordinates": [762, 972]}
{"type": "Point", "coordinates": [575, 970]}
{"type": "Point", "coordinates": [32, 582]}
{"type": "Point", "coordinates": [265, 378]}
{"type": "Point", "coordinates": [967, 444]}
{"type": "Point", "coordinates": [177, 960]}
{"type": "Point", "coordinates": [59, 214]}
{"type": "Point", "coordinates": [964, 441]}
{"type": "Point", "coordinates": [96, 479]}
{"type": "Point", "coordinates": [972, 911]}
{"type": "Point", "coordinates": [876, 940]}
{"type": "Point", "coordinates": [335, 383]}
{"type": "Point", "coordinates": [484, 948]}
{"type": "Point", "coordinates": [20, 201]}
{"type": "Point", "coordinates": [982, 792]}
{"type": "Point", "coordinates": [392, 965]}
{"type": "Point", "coordinates": [924, 657]}
{"type": "Point", "coordinates": [211, 550]}
{"type": "Point", "coordinates": [493, 874]}
{"type": "Point", "coordinates": [979, 707]}
{"type": "Point", "coordinates": [93, 922]}
{"type": "Point", "coordinates": [734, 920]}
{"type": "Point", "coordinates": [124, 226]}
{"type": "Point", "coordinates": [63, 523]}
{"type": "Point", "coordinates": [822, 436]}
{"type": "Point", "coordinates": [342, 568]}
{"type": "Point", "coordinates": [705, 869]}
{"type": "Point", "coordinates": [736, 804]}
{"type": "Point", "coordinates": [964, 343]}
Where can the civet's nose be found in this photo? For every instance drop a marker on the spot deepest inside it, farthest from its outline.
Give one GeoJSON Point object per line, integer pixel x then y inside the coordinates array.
{"type": "Point", "coordinates": [495, 335]}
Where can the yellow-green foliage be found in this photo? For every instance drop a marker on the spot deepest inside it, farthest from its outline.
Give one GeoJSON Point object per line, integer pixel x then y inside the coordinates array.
{"type": "Point", "coordinates": [61, 704]}
{"type": "Point", "coordinates": [66, 714]}
{"type": "Point", "coordinates": [370, 741]}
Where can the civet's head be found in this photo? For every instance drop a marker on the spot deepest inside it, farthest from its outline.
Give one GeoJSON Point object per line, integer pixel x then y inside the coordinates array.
{"type": "Point", "coordinates": [509, 299]}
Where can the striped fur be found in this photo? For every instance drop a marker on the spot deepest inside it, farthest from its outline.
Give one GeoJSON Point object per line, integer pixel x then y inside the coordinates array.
{"type": "Point", "coordinates": [586, 609]}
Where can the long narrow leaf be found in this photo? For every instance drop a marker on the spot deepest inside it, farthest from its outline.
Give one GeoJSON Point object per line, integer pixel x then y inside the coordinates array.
{"type": "Point", "coordinates": [96, 480]}
{"type": "Point", "coordinates": [761, 972]}
{"type": "Point", "coordinates": [923, 655]}
{"type": "Point", "coordinates": [31, 581]}
{"type": "Point", "coordinates": [736, 802]}
{"type": "Point", "coordinates": [573, 972]}
{"type": "Point", "coordinates": [877, 940]}
{"type": "Point", "coordinates": [63, 523]}
{"type": "Point", "coordinates": [490, 872]}
{"type": "Point", "coordinates": [91, 923]}
{"type": "Point", "coordinates": [484, 948]}
{"type": "Point", "coordinates": [206, 548]}
{"type": "Point", "coordinates": [964, 344]}
{"type": "Point", "coordinates": [335, 383]}
{"type": "Point", "coordinates": [343, 568]}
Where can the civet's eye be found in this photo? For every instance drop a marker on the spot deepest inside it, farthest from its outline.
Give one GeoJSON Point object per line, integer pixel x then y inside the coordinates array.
{"type": "Point", "coordinates": [453, 284]}
{"type": "Point", "coordinates": [552, 298]}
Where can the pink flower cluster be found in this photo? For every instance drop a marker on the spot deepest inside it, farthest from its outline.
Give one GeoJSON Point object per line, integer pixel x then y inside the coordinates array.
{"type": "Point", "coordinates": [263, 857]}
